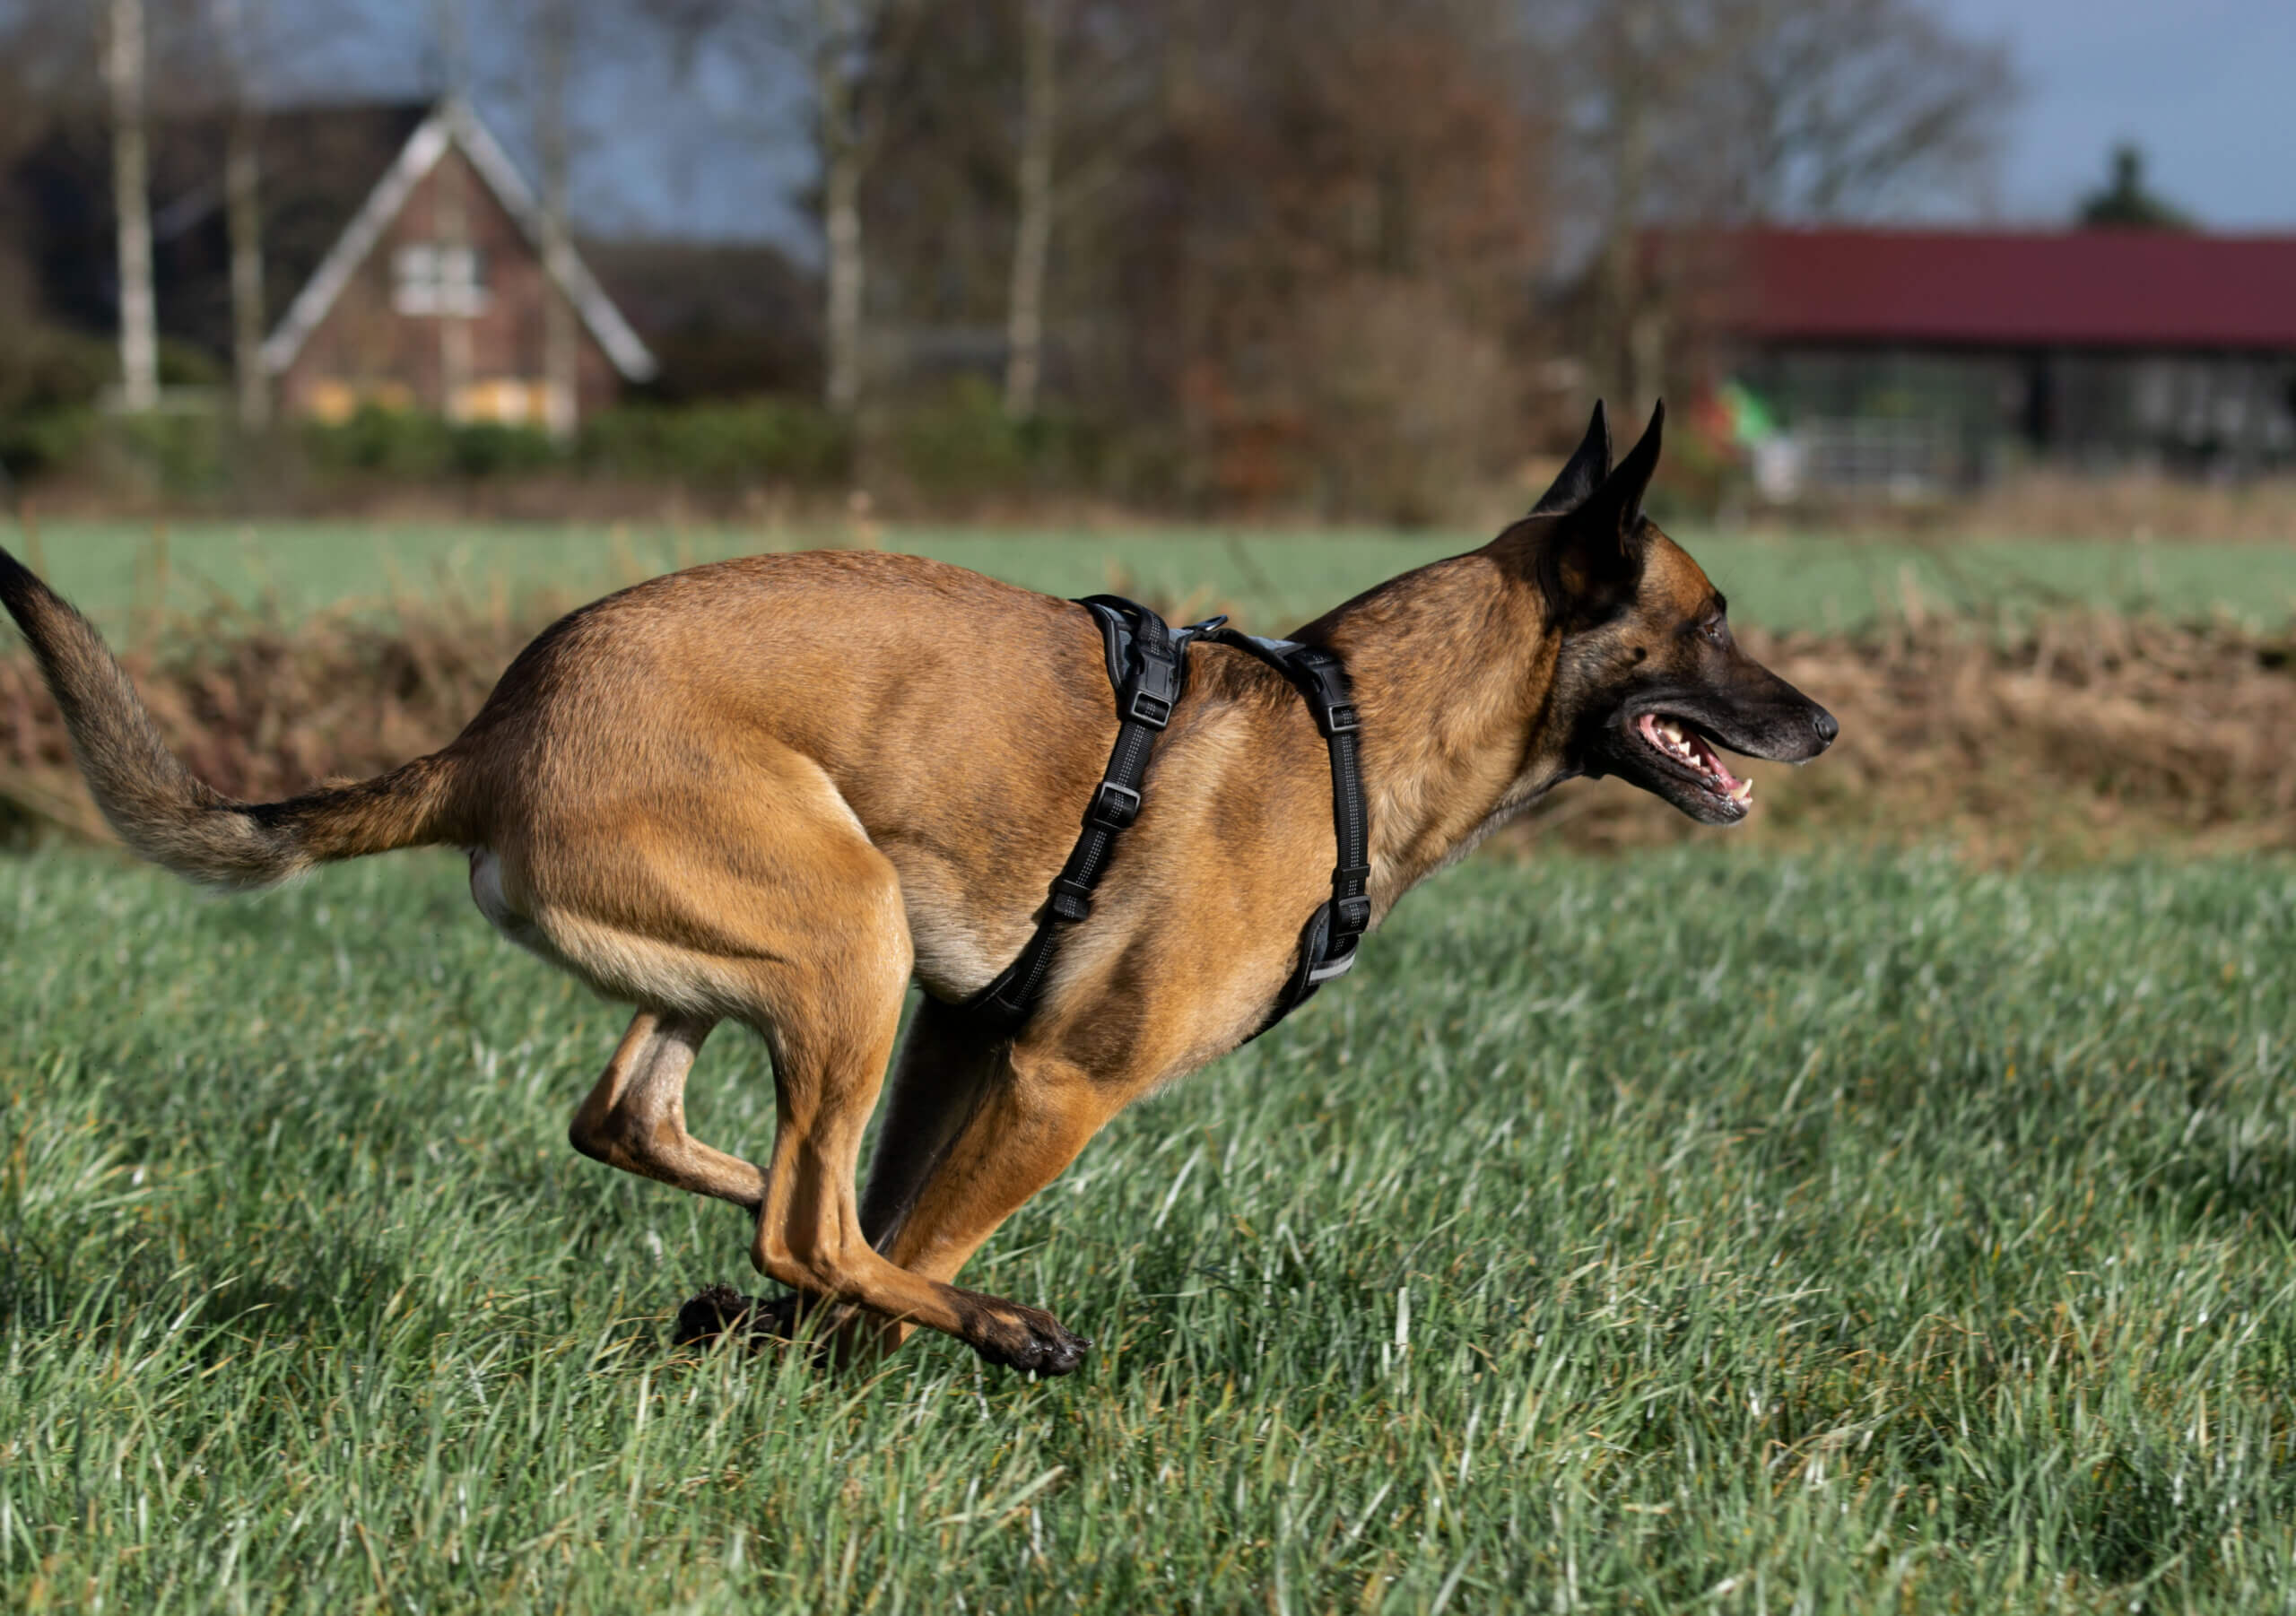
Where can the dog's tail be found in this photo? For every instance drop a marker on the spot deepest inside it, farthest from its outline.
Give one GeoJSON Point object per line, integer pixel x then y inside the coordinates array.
{"type": "Point", "coordinates": [164, 813]}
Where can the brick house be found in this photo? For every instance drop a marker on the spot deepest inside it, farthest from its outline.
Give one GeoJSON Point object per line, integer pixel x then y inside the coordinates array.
{"type": "Point", "coordinates": [436, 296]}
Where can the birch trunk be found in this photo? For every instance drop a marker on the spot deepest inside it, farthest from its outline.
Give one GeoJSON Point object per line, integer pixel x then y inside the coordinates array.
{"type": "Point", "coordinates": [1032, 234]}
{"type": "Point", "coordinates": [561, 355]}
{"type": "Point", "coordinates": [1627, 357]}
{"type": "Point", "coordinates": [139, 341]}
{"type": "Point", "coordinates": [454, 244]}
{"type": "Point", "coordinates": [452, 217]}
{"type": "Point", "coordinates": [842, 163]}
{"type": "Point", "coordinates": [243, 213]}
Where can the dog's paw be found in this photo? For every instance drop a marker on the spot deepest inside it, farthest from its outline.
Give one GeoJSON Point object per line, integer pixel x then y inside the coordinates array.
{"type": "Point", "coordinates": [710, 1313]}
{"type": "Point", "coordinates": [1029, 1338]}
{"type": "Point", "coordinates": [719, 1313]}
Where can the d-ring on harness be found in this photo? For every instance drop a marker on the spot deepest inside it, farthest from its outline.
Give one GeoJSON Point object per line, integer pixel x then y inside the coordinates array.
{"type": "Point", "coordinates": [1147, 663]}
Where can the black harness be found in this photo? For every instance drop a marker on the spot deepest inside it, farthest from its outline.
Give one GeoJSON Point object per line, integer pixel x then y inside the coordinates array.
{"type": "Point", "coordinates": [1147, 663]}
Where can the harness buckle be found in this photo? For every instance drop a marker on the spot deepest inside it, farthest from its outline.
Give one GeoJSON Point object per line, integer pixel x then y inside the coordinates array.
{"type": "Point", "coordinates": [1113, 805]}
{"type": "Point", "coordinates": [1339, 718]}
{"type": "Point", "coordinates": [1071, 900]}
{"type": "Point", "coordinates": [1352, 914]}
{"type": "Point", "coordinates": [1154, 711]}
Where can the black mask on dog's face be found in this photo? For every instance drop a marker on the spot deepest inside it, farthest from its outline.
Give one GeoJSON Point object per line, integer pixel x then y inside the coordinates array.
{"type": "Point", "coordinates": [1659, 687]}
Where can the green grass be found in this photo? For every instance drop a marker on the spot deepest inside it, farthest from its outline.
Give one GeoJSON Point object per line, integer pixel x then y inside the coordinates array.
{"type": "Point", "coordinates": [1692, 1233]}
{"type": "Point", "coordinates": [1273, 580]}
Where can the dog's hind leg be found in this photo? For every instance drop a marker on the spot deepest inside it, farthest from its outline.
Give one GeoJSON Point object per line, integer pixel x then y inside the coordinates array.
{"type": "Point", "coordinates": [634, 1118]}
{"type": "Point", "coordinates": [779, 912]}
{"type": "Point", "coordinates": [828, 1003]}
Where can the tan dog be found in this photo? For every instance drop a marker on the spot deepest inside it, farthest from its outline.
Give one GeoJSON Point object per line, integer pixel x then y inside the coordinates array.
{"type": "Point", "coordinates": [779, 790]}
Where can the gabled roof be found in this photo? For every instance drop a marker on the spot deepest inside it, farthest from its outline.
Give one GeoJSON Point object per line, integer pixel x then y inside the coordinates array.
{"type": "Point", "coordinates": [2093, 288]}
{"type": "Point", "coordinates": [452, 125]}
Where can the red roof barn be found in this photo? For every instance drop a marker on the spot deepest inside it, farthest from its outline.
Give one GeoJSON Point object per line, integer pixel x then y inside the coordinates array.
{"type": "Point", "coordinates": [2150, 289]}
{"type": "Point", "coordinates": [2095, 347]}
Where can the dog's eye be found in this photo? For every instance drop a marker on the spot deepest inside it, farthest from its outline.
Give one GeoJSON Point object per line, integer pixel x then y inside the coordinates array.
{"type": "Point", "coordinates": [1716, 629]}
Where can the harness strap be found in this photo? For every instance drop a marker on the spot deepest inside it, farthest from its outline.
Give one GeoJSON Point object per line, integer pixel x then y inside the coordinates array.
{"type": "Point", "coordinates": [1148, 667]}
{"type": "Point", "coordinates": [1147, 662]}
{"type": "Point", "coordinates": [1328, 943]}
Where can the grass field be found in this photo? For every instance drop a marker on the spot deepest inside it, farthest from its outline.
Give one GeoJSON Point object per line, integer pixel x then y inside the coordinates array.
{"type": "Point", "coordinates": [1274, 581]}
{"type": "Point", "coordinates": [1676, 1234]}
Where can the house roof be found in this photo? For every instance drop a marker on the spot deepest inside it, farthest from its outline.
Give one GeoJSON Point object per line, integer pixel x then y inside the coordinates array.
{"type": "Point", "coordinates": [2096, 288]}
{"type": "Point", "coordinates": [452, 125]}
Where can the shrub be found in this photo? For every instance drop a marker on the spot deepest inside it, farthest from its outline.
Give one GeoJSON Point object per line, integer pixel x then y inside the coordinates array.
{"type": "Point", "coordinates": [50, 378]}
{"type": "Point", "coordinates": [417, 446]}
{"type": "Point", "coordinates": [41, 441]}
{"type": "Point", "coordinates": [399, 443]}
{"type": "Point", "coordinates": [180, 449]}
{"type": "Point", "coordinates": [483, 448]}
{"type": "Point", "coordinates": [751, 440]}
{"type": "Point", "coordinates": [962, 442]}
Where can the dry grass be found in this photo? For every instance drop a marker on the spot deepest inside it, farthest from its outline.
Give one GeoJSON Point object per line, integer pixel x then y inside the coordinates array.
{"type": "Point", "coordinates": [2137, 506]}
{"type": "Point", "coordinates": [2079, 735]}
{"type": "Point", "coordinates": [2043, 503]}
{"type": "Point", "coordinates": [260, 710]}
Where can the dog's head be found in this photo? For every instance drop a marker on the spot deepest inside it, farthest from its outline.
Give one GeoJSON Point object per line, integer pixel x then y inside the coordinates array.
{"type": "Point", "coordinates": [1649, 685]}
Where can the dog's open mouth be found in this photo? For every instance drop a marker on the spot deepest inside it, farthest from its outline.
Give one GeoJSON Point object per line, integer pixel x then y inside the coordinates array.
{"type": "Point", "coordinates": [1694, 755]}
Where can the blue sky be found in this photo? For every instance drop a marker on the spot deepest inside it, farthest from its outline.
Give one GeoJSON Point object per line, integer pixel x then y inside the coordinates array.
{"type": "Point", "coordinates": [2204, 86]}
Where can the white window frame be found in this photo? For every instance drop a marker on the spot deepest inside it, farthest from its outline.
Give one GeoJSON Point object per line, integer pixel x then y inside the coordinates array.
{"type": "Point", "coordinates": [428, 278]}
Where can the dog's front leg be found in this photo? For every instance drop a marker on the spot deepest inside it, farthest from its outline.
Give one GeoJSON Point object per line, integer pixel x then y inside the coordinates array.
{"type": "Point", "coordinates": [1011, 1135]}
{"type": "Point", "coordinates": [830, 1053]}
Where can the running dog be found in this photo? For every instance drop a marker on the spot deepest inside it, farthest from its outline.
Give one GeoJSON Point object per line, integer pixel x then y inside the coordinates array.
{"type": "Point", "coordinates": [777, 791]}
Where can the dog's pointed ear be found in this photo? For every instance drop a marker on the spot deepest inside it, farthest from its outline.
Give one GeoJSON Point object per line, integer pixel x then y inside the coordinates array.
{"type": "Point", "coordinates": [1583, 473]}
{"type": "Point", "coordinates": [1592, 562]}
{"type": "Point", "coordinates": [1617, 504]}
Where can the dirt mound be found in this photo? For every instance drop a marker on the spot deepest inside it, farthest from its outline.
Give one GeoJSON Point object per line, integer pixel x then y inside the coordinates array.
{"type": "Point", "coordinates": [2077, 734]}
{"type": "Point", "coordinates": [260, 710]}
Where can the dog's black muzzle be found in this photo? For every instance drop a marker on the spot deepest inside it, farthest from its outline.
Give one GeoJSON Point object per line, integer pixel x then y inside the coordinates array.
{"type": "Point", "coordinates": [1669, 737]}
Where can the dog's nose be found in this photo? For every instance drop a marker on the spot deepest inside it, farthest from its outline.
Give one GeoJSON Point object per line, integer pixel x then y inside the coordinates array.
{"type": "Point", "coordinates": [1823, 723]}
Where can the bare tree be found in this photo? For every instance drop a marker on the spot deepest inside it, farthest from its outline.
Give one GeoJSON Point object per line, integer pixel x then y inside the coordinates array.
{"type": "Point", "coordinates": [1858, 109]}
{"type": "Point", "coordinates": [842, 47]}
{"type": "Point", "coordinates": [1721, 112]}
{"type": "Point", "coordinates": [1087, 117]}
{"type": "Point", "coordinates": [1638, 51]}
{"type": "Point", "coordinates": [1032, 231]}
{"type": "Point", "coordinates": [243, 209]}
{"type": "Point", "coordinates": [562, 351]}
{"type": "Point", "coordinates": [1331, 247]}
{"type": "Point", "coordinates": [139, 345]}
{"type": "Point", "coordinates": [838, 62]}
{"type": "Point", "coordinates": [455, 266]}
